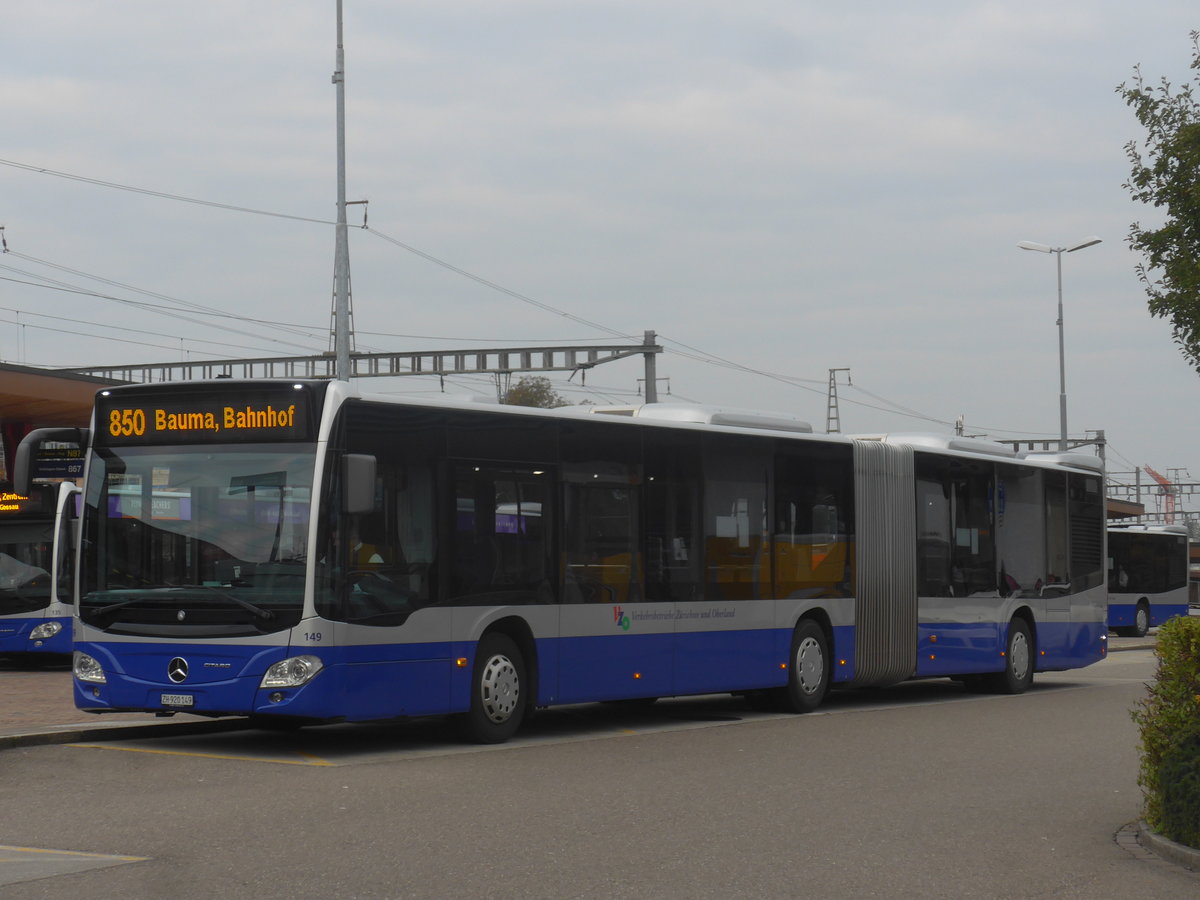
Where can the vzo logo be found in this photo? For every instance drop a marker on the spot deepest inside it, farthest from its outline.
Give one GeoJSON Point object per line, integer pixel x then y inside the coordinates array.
{"type": "Point", "coordinates": [620, 618]}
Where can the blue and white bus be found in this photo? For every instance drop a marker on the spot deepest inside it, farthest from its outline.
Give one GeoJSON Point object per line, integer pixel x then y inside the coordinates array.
{"type": "Point", "coordinates": [36, 571]}
{"type": "Point", "coordinates": [1147, 576]}
{"type": "Point", "coordinates": [299, 552]}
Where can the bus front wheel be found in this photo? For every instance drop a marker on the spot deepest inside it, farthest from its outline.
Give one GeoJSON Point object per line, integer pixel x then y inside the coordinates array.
{"type": "Point", "coordinates": [498, 696]}
{"type": "Point", "coordinates": [809, 668]}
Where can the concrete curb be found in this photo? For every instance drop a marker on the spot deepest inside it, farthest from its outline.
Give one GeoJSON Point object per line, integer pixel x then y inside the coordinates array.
{"type": "Point", "coordinates": [74, 734]}
{"type": "Point", "coordinates": [1146, 643]}
{"type": "Point", "coordinates": [1180, 854]}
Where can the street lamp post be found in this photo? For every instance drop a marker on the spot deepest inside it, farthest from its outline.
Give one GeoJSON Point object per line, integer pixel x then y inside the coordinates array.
{"type": "Point", "coordinates": [1062, 362]}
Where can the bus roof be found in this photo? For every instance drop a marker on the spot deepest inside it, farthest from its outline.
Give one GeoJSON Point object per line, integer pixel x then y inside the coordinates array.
{"type": "Point", "coordinates": [1148, 529]}
{"type": "Point", "coordinates": [689, 415]}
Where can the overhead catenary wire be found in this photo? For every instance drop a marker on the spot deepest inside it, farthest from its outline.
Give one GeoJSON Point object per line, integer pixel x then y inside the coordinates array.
{"type": "Point", "coordinates": [22, 312]}
{"type": "Point", "coordinates": [478, 279]}
{"type": "Point", "coordinates": [187, 304]}
{"type": "Point", "coordinates": [688, 351]}
{"type": "Point", "coordinates": [54, 284]}
{"type": "Point", "coordinates": [120, 340]}
{"type": "Point", "coordinates": [162, 195]}
{"type": "Point", "coordinates": [699, 355]}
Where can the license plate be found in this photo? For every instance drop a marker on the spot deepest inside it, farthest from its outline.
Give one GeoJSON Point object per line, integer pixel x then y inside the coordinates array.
{"type": "Point", "coordinates": [178, 700]}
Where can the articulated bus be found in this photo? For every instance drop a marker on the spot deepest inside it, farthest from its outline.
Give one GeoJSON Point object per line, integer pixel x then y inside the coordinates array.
{"type": "Point", "coordinates": [1147, 576]}
{"type": "Point", "coordinates": [296, 552]}
{"type": "Point", "coordinates": [36, 571]}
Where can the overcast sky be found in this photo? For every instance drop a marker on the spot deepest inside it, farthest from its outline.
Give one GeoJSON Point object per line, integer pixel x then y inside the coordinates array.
{"type": "Point", "coordinates": [775, 188]}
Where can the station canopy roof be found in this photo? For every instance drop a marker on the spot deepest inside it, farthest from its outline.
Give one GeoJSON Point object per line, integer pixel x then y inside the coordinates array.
{"type": "Point", "coordinates": [40, 397]}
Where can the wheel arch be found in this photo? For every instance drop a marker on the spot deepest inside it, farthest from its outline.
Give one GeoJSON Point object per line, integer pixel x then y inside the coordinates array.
{"type": "Point", "coordinates": [1025, 613]}
{"type": "Point", "coordinates": [819, 615]}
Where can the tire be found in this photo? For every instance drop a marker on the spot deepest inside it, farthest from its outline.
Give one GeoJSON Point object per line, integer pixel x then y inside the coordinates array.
{"type": "Point", "coordinates": [809, 668]}
{"type": "Point", "coordinates": [1018, 661]}
{"type": "Point", "coordinates": [1141, 621]}
{"type": "Point", "coordinates": [498, 692]}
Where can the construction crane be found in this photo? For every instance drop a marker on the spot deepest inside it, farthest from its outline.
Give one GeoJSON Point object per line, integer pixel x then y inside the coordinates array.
{"type": "Point", "coordinates": [1167, 490]}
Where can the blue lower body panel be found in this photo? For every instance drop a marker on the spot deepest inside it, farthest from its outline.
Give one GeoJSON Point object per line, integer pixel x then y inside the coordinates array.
{"type": "Point", "coordinates": [612, 667]}
{"type": "Point", "coordinates": [1123, 615]}
{"type": "Point", "coordinates": [359, 683]}
{"type": "Point", "coordinates": [384, 681]}
{"type": "Point", "coordinates": [15, 631]}
{"type": "Point", "coordinates": [977, 648]}
{"type": "Point", "coordinates": [1070, 645]}
{"type": "Point", "coordinates": [1120, 615]}
{"type": "Point", "coordinates": [956, 649]}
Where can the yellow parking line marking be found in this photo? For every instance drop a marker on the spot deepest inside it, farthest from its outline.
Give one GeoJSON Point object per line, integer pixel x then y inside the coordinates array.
{"type": "Point", "coordinates": [316, 760]}
{"type": "Point", "coordinates": [308, 760]}
{"type": "Point", "coordinates": [71, 853]}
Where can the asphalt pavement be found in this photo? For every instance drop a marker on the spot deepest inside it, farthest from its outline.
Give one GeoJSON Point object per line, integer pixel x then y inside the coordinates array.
{"type": "Point", "coordinates": [37, 707]}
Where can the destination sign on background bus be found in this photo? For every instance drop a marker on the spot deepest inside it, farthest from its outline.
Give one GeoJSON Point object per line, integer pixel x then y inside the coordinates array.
{"type": "Point", "coordinates": [59, 462]}
{"type": "Point", "coordinates": [188, 417]}
{"type": "Point", "coordinates": [14, 505]}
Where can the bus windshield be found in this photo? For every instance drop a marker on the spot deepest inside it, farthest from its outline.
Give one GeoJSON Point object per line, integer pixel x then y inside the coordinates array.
{"type": "Point", "coordinates": [25, 549]}
{"type": "Point", "coordinates": [197, 540]}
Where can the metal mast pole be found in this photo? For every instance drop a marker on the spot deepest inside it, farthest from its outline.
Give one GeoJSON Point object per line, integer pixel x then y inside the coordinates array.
{"type": "Point", "coordinates": [1062, 358]}
{"type": "Point", "coordinates": [648, 338]}
{"type": "Point", "coordinates": [1062, 363]}
{"type": "Point", "coordinates": [341, 255]}
{"type": "Point", "coordinates": [833, 419]}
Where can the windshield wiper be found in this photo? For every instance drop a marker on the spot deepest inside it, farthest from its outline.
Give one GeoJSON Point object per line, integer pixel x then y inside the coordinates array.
{"type": "Point", "coordinates": [114, 607]}
{"type": "Point", "coordinates": [155, 593]}
{"type": "Point", "coordinates": [265, 614]}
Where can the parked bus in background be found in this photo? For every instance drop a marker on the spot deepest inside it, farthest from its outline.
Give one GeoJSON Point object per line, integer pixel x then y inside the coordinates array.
{"type": "Point", "coordinates": [1147, 576]}
{"type": "Point", "coordinates": [298, 552]}
{"type": "Point", "coordinates": [36, 571]}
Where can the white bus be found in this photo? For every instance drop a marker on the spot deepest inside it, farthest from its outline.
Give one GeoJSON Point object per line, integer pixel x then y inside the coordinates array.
{"type": "Point", "coordinates": [1147, 576]}
{"type": "Point", "coordinates": [330, 556]}
{"type": "Point", "coordinates": [36, 571]}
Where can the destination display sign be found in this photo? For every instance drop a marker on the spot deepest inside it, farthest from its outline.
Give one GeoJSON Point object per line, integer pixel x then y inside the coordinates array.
{"type": "Point", "coordinates": [211, 417]}
{"type": "Point", "coordinates": [14, 505]}
{"type": "Point", "coordinates": [59, 463]}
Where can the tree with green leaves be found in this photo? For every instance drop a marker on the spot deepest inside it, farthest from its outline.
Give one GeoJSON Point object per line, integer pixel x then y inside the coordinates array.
{"type": "Point", "coordinates": [1166, 174]}
{"type": "Point", "coordinates": [534, 390]}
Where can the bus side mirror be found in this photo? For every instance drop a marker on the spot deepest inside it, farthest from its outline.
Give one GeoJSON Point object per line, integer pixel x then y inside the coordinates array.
{"type": "Point", "coordinates": [358, 483]}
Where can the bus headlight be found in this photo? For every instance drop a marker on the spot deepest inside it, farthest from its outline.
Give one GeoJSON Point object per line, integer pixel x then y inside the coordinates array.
{"type": "Point", "coordinates": [45, 630]}
{"type": "Point", "coordinates": [87, 669]}
{"type": "Point", "coordinates": [293, 672]}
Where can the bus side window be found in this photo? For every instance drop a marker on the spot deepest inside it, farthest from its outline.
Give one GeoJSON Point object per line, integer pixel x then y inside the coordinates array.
{"type": "Point", "coordinates": [672, 514]}
{"type": "Point", "coordinates": [736, 540]}
{"type": "Point", "coordinates": [499, 533]}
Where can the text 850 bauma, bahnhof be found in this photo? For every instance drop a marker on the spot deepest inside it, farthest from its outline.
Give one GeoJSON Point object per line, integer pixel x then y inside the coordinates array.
{"type": "Point", "coordinates": [123, 418]}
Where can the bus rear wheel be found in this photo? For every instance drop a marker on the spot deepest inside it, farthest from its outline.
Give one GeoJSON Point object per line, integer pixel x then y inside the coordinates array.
{"type": "Point", "coordinates": [498, 697]}
{"type": "Point", "coordinates": [808, 669]}
{"type": "Point", "coordinates": [1141, 620]}
{"type": "Point", "coordinates": [1018, 661]}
